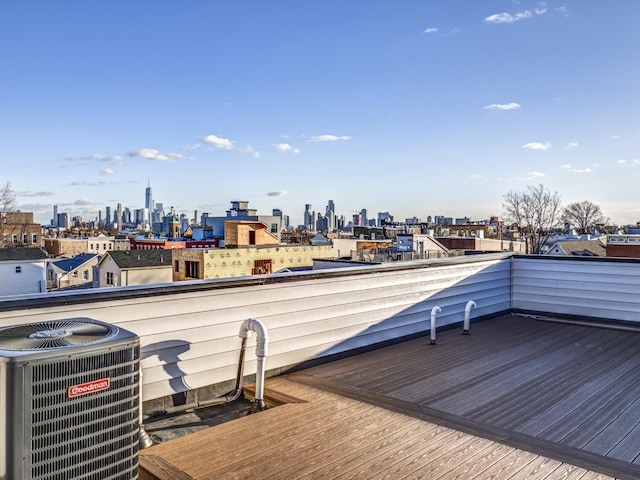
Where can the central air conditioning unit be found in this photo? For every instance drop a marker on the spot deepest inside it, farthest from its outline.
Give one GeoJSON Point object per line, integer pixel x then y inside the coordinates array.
{"type": "Point", "coordinates": [69, 401]}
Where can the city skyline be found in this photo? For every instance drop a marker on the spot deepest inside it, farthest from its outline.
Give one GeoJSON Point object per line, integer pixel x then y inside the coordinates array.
{"type": "Point", "coordinates": [417, 108]}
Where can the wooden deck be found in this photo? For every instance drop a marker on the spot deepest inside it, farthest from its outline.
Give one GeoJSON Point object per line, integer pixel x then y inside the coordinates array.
{"type": "Point", "coordinates": [518, 398]}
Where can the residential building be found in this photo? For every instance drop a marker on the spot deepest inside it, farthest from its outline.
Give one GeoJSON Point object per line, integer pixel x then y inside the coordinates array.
{"type": "Point", "coordinates": [623, 246]}
{"type": "Point", "coordinates": [20, 230]}
{"type": "Point", "coordinates": [134, 267]}
{"type": "Point", "coordinates": [417, 246]}
{"type": "Point", "coordinates": [73, 272]}
{"type": "Point", "coordinates": [66, 247]}
{"type": "Point", "coordinates": [71, 247]}
{"type": "Point", "coordinates": [580, 248]}
{"type": "Point", "coordinates": [22, 270]}
{"type": "Point", "coordinates": [480, 244]}
{"type": "Point", "coordinates": [239, 233]}
{"type": "Point", "coordinates": [156, 243]}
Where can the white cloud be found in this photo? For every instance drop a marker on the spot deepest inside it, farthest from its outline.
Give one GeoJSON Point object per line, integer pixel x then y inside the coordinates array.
{"type": "Point", "coordinates": [219, 142]}
{"type": "Point", "coordinates": [621, 161]}
{"type": "Point", "coordinates": [537, 146]}
{"type": "Point", "coordinates": [535, 174]}
{"type": "Point", "coordinates": [431, 30]}
{"type": "Point", "coordinates": [82, 183]}
{"type": "Point", "coordinates": [97, 157]}
{"type": "Point", "coordinates": [509, 18]}
{"type": "Point", "coordinates": [328, 138]}
{"type": "Point", "coordinates": [567, 166]}
{"type": "Point", "coordinates": [285, 147]}
{"type": "Point", "coordinates": [541, 8]}
{"type": "Point", "coordinates": [249, 149]}
{"type": "Point", "coordinates": [82, 202]}
{"type": "Point", "coordinates": [503, 106]}
{"type": "Point", "coordinates": [572, 144]}
{"type": "Point", "coordinates": [107, 171]}
{"type": "Point", "coordinates": [280, 193]}
{"type": "Point", "coordinates": [153, 154]}
{"type": "Point", "coordinates": [476, 176]}
{"type": "Point", "coordinates": [226, 144]}
{"type": "Point", "coordinates": [34, 194]}
{"type": "Point", "coordinates": [614, 137]}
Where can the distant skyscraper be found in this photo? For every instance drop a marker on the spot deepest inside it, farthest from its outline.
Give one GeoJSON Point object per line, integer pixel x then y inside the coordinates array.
{"type": "Point", "coordinates": [308, 217]}
{"type": "Point", "coordinates": [331, 207]}
{"type": "Point", "coordinates": [148, 198]}
{"type": "Point", "coordinates": [107, 217]}
{"type": "Point", "coordinates": [54, 223]}
{"type": "Point", "coordinates": [364, 220]}
{"type": "Point", "coordinates": [118, 219]}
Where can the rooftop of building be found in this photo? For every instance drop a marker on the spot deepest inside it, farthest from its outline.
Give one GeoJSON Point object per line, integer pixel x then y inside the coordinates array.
{"type": "Point", "coordinates": [545, 385]}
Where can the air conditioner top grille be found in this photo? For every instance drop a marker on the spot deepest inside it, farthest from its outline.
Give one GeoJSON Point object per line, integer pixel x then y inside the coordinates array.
{"type": "Point", "coordinates": [55, 334]}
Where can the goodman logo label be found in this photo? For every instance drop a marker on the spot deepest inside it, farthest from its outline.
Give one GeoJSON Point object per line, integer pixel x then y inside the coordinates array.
{"type": "Point", "coordinates": [89, 387]}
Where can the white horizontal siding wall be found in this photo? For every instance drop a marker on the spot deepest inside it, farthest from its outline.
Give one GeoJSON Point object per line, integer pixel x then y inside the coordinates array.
{"type": "Point", "coordinates": [190, 338]}
{"type": "Point", "coordinates": [603, 288]}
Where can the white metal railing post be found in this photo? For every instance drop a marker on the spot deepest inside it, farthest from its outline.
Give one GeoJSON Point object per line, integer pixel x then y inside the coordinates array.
{"type": "Point", "coordinates": [434, 310]}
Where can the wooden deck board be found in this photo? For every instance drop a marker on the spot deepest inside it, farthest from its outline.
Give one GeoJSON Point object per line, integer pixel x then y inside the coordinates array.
{"type": "Point", "coordinates": [524, 406]}
{"type": "Point", "coordinates": [515, 399]}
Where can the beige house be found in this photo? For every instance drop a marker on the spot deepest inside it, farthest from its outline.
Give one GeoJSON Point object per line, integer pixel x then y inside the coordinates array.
{"type": "Point", "coordinates": [580, 248]}
{"type": "Point", "coordinates": [238, 233]}
{"type": "Point", "coordinates": [73, 272]}
{"type": "Point", "coordinates": [71, 247]}
{"type": "Point", "coordinates": [134, 267]}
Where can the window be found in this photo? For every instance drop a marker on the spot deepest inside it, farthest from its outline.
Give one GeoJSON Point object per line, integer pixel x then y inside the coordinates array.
{"type": "Point", "coordinates": [25, 238]}
{"type": "Point", "coordinates": [109, 278]}
{"type": "Point", "coordinates": [15, 238]}
{"type": "Point", "coordinates": [85, 274]}
{"type": "Point", "coordinates": [34, 238]}
{"type": "Point", "coordinates": [252, 237]}
{"type": "Point", "coordinates": [176, 267]}
{"type": "Point", "coordinates": [75, 274]}
{"type": "Point", "coordinates": [274, 228]}
{"type": "Point", "coordinates": [262, 267]}
{"type": "Point", "coordinates": [191, 269]}
{"type": "Point", "coordinates": [18, 269]}
{"type": "Point", "coordinates": [91, 247]}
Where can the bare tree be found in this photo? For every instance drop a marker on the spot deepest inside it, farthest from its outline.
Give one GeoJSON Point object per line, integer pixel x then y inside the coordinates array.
{"type": "Point", "coordinates": [583, 216]}
{"type": "Point", "coordinates": [7, 204]}
{"type": "Point", "coordinates": [535, 212]}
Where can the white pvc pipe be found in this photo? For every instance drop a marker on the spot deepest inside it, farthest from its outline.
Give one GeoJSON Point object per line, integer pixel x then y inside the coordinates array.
{"type": "Point", "coordinates": [434, 310]}
{"type": "Point", "coordinates": [262, 338]}
{"type": "Point", "coordinates": [467, 313]}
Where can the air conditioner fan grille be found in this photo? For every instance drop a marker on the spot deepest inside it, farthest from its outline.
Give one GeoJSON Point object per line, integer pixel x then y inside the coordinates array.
{"type": "Point", "coordinates": [54, 334]}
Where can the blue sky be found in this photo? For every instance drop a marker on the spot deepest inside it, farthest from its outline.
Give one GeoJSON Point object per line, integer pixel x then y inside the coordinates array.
{"type": "Point", "coordinates": [413, 107]}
